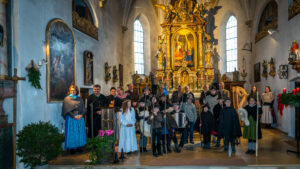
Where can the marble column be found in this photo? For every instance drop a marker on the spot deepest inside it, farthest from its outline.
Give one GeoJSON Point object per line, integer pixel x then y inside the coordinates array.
{"type": "Point", "coordinates": [3, 42]}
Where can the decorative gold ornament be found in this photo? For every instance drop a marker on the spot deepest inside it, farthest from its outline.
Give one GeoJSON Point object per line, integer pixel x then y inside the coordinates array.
{"type": "Point", "coordinates": [101, 3]}
{"type": "Point", "coordinates": [107, 72]}
{"type": "Point", "coordinates": [272, 68]}
{"type": "Point", "coordinates": [182, 52]}
{"type": "Point", "coordinates": [84, 25]}
{"type": "Point", "coordinates": [294, 8]}
{"type": "Point", "coordinates": [3, 2]}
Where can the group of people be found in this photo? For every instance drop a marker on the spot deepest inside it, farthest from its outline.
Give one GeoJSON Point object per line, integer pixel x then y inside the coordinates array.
{"type": "Point", "coordinates": [161, 118]}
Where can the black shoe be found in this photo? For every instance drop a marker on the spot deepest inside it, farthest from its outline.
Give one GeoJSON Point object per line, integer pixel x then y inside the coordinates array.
{"type": "Point", "coordinates": [144, 149]}
{"type": "Point", "coordinates": [158, 146]}
{"type": "Point", "coordinates": [252, 152]}
{"type": "Point", "coordinates": [169, 149]}
{"type": "Point", "coordinates": [179, 149]}
{"type": "Point", "coordinates": [79, 150]}
{"type": "Point", "coordinates": [129, 153]}
{"type": "Point", "coordinates": [72, 151]}
{"type": "Point", "coordinates": [248, 152]}
{"type": "Point", "coordinates": [141, 149]}
{"type": "Point", "coordinates": [192, 142]}
{"type": "Point", "coordinates": [154, 152]}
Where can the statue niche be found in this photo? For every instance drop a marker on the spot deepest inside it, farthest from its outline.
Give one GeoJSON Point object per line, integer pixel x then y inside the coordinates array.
{"type": "Point", "coordinates": [184, 78]}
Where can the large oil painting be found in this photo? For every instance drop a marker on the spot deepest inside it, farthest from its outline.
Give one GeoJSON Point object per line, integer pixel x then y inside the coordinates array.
{"type": "Point", "coordinates": [61, 60]}
{"type": "Point", "coordinates": [257, 72]}
{"type": "Point", "coordinates": [184, 48]}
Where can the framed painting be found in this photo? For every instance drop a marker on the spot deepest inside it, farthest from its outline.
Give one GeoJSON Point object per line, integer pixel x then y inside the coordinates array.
{"type": "Point", "coordinates": [61, 60]}
{"type": "Point", "coordinates": [257, 72]}
{"type": "Point", "coordinates": [88, 68]}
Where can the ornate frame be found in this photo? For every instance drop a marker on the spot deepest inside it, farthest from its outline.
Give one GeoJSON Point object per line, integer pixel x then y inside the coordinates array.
{"type": "Point", "coordinates": [294, 9]}
{"type": "Point", "coordinates": [49, 99]}
{"type": "Point", "coordinates": [86, 61]}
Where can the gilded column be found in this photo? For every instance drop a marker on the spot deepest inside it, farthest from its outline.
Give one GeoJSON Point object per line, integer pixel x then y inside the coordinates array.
{"type": "Point", "coordinates": [168, 57]}
{"type": "Point", "coordinates": [200, 49]}
{"type": "Point", "coordinates": [3, 44]}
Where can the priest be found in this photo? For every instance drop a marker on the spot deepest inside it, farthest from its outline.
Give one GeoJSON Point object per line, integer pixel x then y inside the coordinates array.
{"type": "Point", "coordinates": [95, 103]}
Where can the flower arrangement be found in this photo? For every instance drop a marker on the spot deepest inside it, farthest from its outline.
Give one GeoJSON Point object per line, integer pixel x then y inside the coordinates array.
{"type": "Point", "coordinates": [100, 146]}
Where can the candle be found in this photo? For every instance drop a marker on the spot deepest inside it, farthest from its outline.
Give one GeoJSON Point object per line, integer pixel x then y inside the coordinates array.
{"type": "Point", "coordinates": [243, 70]}
{"type": "Point", "coordinates": [284, 91]}
{"type": "Point", "coordinates": [294, 91]}
{"type": "Point", "coordinates": [298, 90]}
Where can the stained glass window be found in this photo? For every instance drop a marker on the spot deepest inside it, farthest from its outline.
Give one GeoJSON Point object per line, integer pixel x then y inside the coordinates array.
{"type": "Point", "coordinates": [231, 44]}
{"type": "Point", "coordinates": [138, 47]}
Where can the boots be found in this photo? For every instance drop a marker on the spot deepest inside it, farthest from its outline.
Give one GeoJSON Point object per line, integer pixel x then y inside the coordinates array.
{"type": "Point", "coordinates": [154, 148]}
{"type": "Point", "coordinates": [144, 149]}
{"type": "Point", "coordinates": [158, 147]}
{"type": "Point", "coordinates": [177, 148]}
{"type": "Point", "coordinates": [169, 148]}
{"type": "Point", "coordinates": [164, 148]}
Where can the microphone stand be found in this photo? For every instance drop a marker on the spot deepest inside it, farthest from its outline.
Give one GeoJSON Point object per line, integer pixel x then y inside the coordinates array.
{"type": "Point", "coordinates": [166, 126]}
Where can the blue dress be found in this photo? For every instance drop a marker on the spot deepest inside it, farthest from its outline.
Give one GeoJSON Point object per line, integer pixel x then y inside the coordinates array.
{"type": "Point", "coordinates": [127, 141]}
{"type": "Point", "coordinates": [75, 131]}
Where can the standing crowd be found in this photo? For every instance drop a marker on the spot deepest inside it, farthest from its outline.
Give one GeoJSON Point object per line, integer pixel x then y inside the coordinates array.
{"type": "Point", "coordinates": [161, 118]}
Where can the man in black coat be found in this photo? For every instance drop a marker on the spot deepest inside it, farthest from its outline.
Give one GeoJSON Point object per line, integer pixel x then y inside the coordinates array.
{"type": "Point", "coordinates": [216, 112]}
{"type": "Point", "coordinates": [229, 125]}
{"type": "Point", "coordinates": [96, 101]}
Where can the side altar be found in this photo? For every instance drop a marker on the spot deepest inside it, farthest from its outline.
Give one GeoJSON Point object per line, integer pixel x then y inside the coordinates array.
{"type": "Point", "coordinates": [185, 52]}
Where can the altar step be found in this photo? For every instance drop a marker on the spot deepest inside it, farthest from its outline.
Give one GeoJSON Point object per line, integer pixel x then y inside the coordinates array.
{"type": "Point", "coordinates": [174, 167]}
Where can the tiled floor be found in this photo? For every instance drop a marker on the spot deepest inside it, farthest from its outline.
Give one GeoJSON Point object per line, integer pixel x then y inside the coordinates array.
{"type": "Point", "coordinates": [272, 152]}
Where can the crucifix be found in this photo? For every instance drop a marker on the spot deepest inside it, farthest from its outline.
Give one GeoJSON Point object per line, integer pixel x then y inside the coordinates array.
{"type": "Point", "coordinates": [15, 80]}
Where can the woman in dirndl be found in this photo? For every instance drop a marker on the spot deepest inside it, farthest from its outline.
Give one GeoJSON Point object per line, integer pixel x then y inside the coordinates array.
{"type": "Point", "coordinates": [267, 101]}
{"type": "Point", "coordinates": [73, 112]}
{"type": "Point", "coordinates": [250, 130]}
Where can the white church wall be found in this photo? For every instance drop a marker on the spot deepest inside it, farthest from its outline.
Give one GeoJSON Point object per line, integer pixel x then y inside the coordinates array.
{"type": "Point", "coordinates": [30, 18]}
{"type": "Point", "coordinates": [229, 8]}
{"type": "Point", "coordinates": [276, 46]}
{"type": "Point", "coordinates": [145, 12]}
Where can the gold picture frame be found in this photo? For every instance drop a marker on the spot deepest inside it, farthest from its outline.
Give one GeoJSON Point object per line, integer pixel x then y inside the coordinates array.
{"type": "Point", "coordinates": [61, 59]}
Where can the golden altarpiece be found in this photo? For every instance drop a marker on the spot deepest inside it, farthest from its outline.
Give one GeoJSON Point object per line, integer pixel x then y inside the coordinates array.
{"type": "Point", "coordinates": [185, 53]}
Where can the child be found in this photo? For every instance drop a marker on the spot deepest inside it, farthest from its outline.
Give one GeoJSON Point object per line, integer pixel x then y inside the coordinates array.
{"type": "Point", "coordinates": [216, 112]}
{"type": "Point", "coordinates": [181, 121]}
{"type": "Point", "coordinates": [155, 122]}
{"type": "Point", "coordinates": [250, 131]}
{"type": "Point", "coordinates": [143, 114]}
{"type": "Point", "coordinates": [229, 125]}
{"type": "Point", "coordinates": [207, 125]}
{"type": "Point", "coordinates": [127, 142]}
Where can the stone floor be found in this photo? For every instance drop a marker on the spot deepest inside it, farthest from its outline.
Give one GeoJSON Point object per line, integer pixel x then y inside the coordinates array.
{"type": "Point", "coordinates": [272, 153]}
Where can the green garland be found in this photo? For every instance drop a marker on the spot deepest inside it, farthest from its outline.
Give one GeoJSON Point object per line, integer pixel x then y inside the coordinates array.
{"type": "Point", "coordinates": [290, 99]}
{"type": "Point", "coordinates": [34, 77]}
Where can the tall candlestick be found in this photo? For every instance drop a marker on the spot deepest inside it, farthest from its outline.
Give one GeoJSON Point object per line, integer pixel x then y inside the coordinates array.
{"type": "Point", "coordinates": [298, 90]}
{"type": "Point", "coordinates": [294, 91]}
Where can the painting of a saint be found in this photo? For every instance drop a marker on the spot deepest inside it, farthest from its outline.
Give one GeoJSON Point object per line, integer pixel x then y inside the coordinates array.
{"type": "Point", "coordinates": [61, 59]}
{"type": "Point", "coordinates": [88, 68]}
{"type": "Point", "coordinates": [183, 48]}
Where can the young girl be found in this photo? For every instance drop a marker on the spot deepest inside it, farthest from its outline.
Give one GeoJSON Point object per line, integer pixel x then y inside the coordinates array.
{"type": "Point", "coordinates": [229, 125]}
{"type": "Point", "coordinates": [267, 100]}
{"type": "Point", "coordinates": [155, 122]}
{"type": "Point", "coordinates": [250, 131]}
{"type": "Point", "coordinates": [127, 141]}
{"type": "Point", "coordinates": [207, 125]}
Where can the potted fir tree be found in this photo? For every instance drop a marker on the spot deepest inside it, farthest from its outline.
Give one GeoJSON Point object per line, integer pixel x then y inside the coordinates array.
{"type": "Point", "coordinates": [39, 143]}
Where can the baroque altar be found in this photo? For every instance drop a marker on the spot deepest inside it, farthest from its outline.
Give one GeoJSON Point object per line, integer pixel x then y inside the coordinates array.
{"type": "Point", "coordinates": [185, 52]}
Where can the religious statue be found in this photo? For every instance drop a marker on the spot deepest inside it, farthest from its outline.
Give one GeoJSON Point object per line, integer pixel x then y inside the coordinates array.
{"type": "Point", "coordinates": [265, 69]}
{"type": "Point", "coordinates": [107, 72]}
{"type": "Point", "coordinates": [115, 75]}
{"type": "Point", "coordinates": [208, 54]}
{"type": "Point", "coordinates": [185, 78]}
{"type": "Point", "coordinates": [272, 68]}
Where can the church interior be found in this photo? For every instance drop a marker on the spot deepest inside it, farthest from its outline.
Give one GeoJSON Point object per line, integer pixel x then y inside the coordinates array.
{"type": "Point", "coordinates": [46, 46]}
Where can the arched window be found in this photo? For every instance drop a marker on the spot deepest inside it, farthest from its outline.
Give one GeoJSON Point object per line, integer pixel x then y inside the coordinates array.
{"type": "Point", "coordinates": [138, 47]}
{"type": "Point", "coordinates": [231, 44]}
